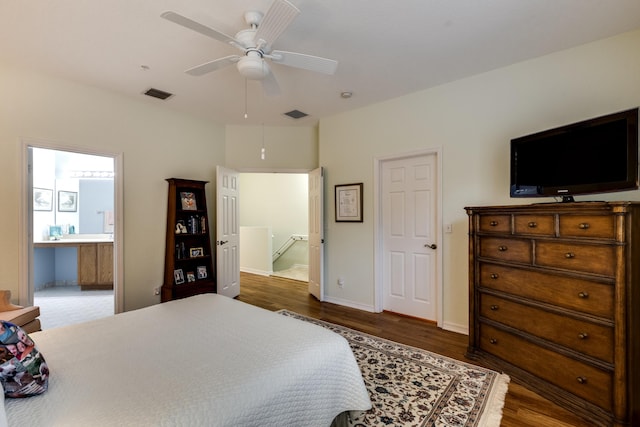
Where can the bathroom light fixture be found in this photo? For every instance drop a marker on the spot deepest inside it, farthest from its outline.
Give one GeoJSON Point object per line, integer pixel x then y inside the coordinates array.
{"type": "Point", "coordinates": [346, 94]}
{"type": "Point", "coordinates": [92, 174]}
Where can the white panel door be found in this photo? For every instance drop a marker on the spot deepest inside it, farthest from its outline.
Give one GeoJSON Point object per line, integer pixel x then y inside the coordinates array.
{"type": "Point", "coordinates": [227, 232]}
{"type": "Point", "coordinates": [409, 223]}
{"type": "Point", "coordinates": [316, 234]}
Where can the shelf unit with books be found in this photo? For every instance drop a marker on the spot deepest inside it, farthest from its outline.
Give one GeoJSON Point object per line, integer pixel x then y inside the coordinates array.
{"type": "Point", "coordinates": [188, 266]}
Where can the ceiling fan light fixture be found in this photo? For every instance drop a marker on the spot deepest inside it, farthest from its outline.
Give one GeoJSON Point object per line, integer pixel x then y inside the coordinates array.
{"type": "Point", "coordinates": [252, 67]}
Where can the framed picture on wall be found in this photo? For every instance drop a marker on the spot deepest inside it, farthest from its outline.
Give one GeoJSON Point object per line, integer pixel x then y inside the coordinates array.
{"type": "Point", "coordinates": [67, 201]}
{"type": "Point", "coordinates": [42, 199]}
{"type": "Point", "coordinates": [349, 203]}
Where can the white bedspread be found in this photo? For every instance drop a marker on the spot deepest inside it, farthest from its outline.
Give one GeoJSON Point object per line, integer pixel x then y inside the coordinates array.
{"type": "Point", "coordinates": [204, 361]}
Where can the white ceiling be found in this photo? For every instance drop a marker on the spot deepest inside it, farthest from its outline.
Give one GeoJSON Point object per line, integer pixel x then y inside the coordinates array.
{"type": "Point", "coordinates": [385, 48]}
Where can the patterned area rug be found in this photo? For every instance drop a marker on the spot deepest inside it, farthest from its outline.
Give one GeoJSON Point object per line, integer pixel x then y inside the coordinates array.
{"type": "Point", "coordinates": [409, 386]}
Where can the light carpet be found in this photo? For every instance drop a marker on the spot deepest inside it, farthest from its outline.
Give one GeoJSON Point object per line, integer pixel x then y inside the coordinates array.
{"type": "Point", "coordinates": [409, 386]}
{"type": "Point", "coordinates": [66, 305]}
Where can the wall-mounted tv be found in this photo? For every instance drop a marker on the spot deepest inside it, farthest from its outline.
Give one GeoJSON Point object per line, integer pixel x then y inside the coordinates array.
{"type": "Point", "coordinates": [592, 156]}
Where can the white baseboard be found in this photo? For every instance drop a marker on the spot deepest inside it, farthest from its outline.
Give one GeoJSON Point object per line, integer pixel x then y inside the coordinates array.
{"type": "Point", "coordinates": [254, 271]}
{"type": "Point", "coordinates": [347, 303]}
{"type": "Point", "coordinates": [453, 327]}
{"type": "Point", "coordinates": [447, 326]}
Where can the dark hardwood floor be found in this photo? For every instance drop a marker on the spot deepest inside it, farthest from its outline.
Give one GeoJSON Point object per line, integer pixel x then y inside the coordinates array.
{"type": "Point", "coordinates": [523, 408]}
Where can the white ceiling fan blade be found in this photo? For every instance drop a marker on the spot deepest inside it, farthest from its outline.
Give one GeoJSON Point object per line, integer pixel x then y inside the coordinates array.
{"type": "Point", "coordinates": [270, 85]}
{"type": "Point", "coordinates": [198, 27]}
{"type": "Point", "coordinates": [306, 62]}
{"type": "Point", "coordinates": [210, 66]}
{"type": "Point", "coordinates": [277, 19]}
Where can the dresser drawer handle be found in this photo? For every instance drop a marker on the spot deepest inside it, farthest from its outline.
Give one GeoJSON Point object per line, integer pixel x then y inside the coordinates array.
{"type": "Point", "coordinates": [582, 380]}
{"type": "Point", "coordinates": [493, 341]}
{"type": "Point", "coordinates": [532, 224]}
{"type": "Point", "coordinates": [583, 335]}
{"type": "Point", "coordinates": [494, 307]}
{"type": "Point", "coordinates": [583, 295]}
{"type": "Point", "coordinates": [493, 223]}
{"type": "Point", "coordinates": [502, 248]}
{"type": "Point", "coordinates": [569, 255]}
{"type": "Point", "coordinates": [583, 225]}
{"type": "Point", "coordinates": [494, 276]}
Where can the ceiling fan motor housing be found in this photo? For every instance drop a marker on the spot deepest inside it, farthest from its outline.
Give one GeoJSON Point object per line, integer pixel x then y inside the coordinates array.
{"type": "Point", "coordinates": [252, 66]}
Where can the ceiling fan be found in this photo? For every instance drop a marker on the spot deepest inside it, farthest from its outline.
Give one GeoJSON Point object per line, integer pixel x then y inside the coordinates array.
{"type": "Point", "coordinates": [256, 43]}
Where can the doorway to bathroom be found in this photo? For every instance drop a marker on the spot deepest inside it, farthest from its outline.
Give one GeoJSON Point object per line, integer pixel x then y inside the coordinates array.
{"type": "Point", "coordinates": [73, 223]}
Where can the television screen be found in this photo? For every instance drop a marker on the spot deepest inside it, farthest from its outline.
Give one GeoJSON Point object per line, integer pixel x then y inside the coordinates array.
{"type": "Point", "coordinates": [593, 156]}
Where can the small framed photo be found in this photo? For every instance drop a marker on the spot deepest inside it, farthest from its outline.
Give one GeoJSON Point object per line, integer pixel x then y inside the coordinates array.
{"type": "Point", "coordinates": [349, 203]}
{"type": "Point", "coordinates": [67, 201]}
{"type": "Point", "coordinates": [42, 199]}
{"type": "Point", "coordinates": [188, 200]}
{"type": "Point", "coordinates": [178, 276]}
{"type": "Point", "coordinates": [190, 276]}
{"type": "Point", "coordinates": [202, 272]}
{"type": "Point", "coordinates": [196, 252]}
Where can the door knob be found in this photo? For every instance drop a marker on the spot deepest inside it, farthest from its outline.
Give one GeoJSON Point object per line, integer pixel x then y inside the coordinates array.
{"type": "Point", "coordinates": [432, 246]}
{"type": "Point", "coordinates": [222, 242]}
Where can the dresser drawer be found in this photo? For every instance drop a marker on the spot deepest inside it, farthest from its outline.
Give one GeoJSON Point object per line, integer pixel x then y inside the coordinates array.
{"type": "Point", "coordinates": [591, 226]}
{"type": "Point", "coordinates": [506, 249]}
{"type": "Point", "coordinates": [588, 382]}
{"type": "Point", "coordinates": [568, 292]}
{"type": "Point", "coordinates": [598, 259]}
{"type": "Point", "coordinates": [540, 225]}
{"type": "Point", "coordinates": [585, 337]}
{"type": "Point", "coordinates": [495, 223]}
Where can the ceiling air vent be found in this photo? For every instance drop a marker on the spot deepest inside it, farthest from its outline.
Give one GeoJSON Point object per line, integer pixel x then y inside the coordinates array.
{"type": "Point", "coordinates": [157, 93]}
{"type": "Point", "coordinates": [296, 114]}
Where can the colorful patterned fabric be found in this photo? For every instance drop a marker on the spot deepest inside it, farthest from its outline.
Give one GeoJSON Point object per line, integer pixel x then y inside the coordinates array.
{"type": "Point", "coordinates": [23, 370]}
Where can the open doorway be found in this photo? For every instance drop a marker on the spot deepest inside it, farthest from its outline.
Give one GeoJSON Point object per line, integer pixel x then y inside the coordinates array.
{"type": "Point", "coordinates": [274, 224]}
{"type": "Point", "coordinates": [72, 221]}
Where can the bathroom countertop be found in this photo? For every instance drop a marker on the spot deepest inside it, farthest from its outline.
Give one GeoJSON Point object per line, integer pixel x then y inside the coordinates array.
{"type": "Point", "coordinates": [76, 240]}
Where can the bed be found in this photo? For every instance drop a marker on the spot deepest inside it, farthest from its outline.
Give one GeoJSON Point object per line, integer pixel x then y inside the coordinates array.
{"type": "Point", "coordinates": [206, 360]}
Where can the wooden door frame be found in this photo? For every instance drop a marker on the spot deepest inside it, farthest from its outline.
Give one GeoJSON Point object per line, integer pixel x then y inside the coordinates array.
{"type": "Point", "coordinates": [378, 250]}
{"type": "Point", "coordinates": [26, 286]}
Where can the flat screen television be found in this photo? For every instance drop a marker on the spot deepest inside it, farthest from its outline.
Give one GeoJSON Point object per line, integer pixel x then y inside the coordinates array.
{"type": "Point", "coordinates": [593, 156]}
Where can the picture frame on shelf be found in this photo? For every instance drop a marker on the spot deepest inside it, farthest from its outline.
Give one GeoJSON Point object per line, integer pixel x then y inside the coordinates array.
{"type": "Point", "coordinates": [348, 202]}
{"type": "Point", "coordinates": [188, 201]}
{"type": "Point", "coordinates": [202, 272]}
{"type": "Point", "coordinates": [178, 276]}
{"type": "Point", "coordinates": [42, 199]}
{"type": "Point", "coordinates": [67, 201]}
{"type": "Point", "coordinates": [191, 277]}
{"type": "Point", "coordinates": [196, 252]}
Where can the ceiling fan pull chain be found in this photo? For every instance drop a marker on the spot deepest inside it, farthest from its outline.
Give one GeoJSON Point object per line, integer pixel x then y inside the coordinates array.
{"type": "Point", "coordinates": [246, 115]}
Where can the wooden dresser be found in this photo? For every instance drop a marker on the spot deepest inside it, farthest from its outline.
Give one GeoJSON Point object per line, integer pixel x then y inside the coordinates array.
{"type": "Point", "coordinates": [555, 302]}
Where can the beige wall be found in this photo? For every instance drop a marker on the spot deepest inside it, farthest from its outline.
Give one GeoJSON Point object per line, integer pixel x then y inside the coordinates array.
{"type": "Point", "coordinates": [472, 121]}
{"type": "Point", "coordinates": [276, 200]}
{"type": "Point", "coordinates": [155, 142]}
{"type": "Point", "coordinates": [288, 148]}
